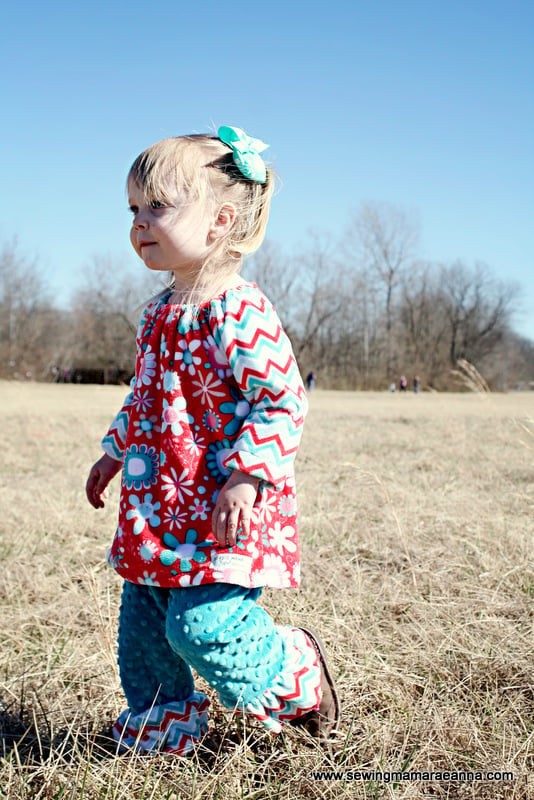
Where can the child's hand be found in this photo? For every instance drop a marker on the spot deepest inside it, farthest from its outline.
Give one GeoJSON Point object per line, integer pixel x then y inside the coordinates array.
{"type": "Point", "coordinates": [234, 507]}
{"type": "Point", "coordinates": [101, 473]}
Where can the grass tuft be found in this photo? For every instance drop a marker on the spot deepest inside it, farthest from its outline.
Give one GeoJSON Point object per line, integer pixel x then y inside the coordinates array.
{"type": "Point", "coordinates": [417, 550]}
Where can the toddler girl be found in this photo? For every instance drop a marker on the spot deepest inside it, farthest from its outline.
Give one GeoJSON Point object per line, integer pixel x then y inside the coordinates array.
{"type": "Point", "coordinates": [206, 442]}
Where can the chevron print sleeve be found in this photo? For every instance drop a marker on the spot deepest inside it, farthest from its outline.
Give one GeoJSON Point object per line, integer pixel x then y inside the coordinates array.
{"type": "Point", "coordinates": [114, 441]}
{"type": "Point", "coordinates": [263, 364]}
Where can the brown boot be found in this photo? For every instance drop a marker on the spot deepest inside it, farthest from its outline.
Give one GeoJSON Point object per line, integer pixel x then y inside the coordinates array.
{"type": "Point", "coordinates": [321, 724]}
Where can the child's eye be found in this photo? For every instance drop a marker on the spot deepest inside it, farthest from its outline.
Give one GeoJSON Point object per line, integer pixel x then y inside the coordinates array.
{"type": "Point", "coordinates": [157, 204]}
{"type": "Point", "coordinates": [134, 209]}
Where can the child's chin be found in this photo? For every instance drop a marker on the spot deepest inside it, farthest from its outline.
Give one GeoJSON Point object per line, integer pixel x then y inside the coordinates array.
{"type": "Point", "coordinates": [154, 266]}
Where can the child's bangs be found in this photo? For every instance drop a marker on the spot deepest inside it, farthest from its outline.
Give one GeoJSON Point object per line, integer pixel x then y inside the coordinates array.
{"type": "Point", "coordinates": [168, 168]}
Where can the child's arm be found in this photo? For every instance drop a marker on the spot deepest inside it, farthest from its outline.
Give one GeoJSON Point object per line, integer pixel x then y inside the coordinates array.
{"type": "Point", "coordinates": [110, 463]}
{"type": "Point", "coordinates": [264, 367]}
{"type": "Point", "coordinates": [100, 475]}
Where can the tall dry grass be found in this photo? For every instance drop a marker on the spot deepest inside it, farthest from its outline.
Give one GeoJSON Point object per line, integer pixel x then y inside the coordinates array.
{"type": "Point", "coordinates": [417, 545]}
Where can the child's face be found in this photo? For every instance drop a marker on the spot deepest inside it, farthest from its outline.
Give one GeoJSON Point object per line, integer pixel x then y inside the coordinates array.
{"type": "Point", "coordinates": [176, 238]}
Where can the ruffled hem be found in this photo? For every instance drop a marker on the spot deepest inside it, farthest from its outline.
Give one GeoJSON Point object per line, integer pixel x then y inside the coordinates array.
{"type": "Point", "coordinates": [170, 727]}
{"type": "Point", "coordinates": [296, 689]}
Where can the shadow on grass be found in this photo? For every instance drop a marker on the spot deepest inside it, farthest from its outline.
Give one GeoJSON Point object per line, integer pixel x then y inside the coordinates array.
{"type": "Point", "coordinates": [33, 744]}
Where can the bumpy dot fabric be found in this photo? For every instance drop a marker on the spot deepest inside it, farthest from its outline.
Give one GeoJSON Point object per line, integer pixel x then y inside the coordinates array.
{"type": "Point", "coordinates": [149, 668]}
{"type": "Point", "coordinates": [270, 672]}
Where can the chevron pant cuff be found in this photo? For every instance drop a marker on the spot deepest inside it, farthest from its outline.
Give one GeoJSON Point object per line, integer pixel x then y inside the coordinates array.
{"type": "Point", "coordinates": [171, 727]}
{"type": "Point", "coordinates": [296, 688]}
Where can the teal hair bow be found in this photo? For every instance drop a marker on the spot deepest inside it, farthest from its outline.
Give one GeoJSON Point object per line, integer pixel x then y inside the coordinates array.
{"type": "Point", "coordinates": [246, 152]}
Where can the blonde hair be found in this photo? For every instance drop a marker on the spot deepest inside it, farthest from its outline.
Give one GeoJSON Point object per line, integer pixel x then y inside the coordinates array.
{"type": "Point", "coordinates": [202, 167]}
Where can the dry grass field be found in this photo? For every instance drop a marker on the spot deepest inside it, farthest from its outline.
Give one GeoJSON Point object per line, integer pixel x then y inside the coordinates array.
{"type": "Point", "coordinates": [417, 545]}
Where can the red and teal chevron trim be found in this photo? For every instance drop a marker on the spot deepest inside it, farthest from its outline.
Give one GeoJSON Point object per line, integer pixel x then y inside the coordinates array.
{"type": "Point", "coordinates": [170, 727]}
{"type": "Point", "coordinates": [262, 362]}
{"type": "Point", "coordinates": [114, 441]}
{"type": "Point", "coordinates": [296, 689]}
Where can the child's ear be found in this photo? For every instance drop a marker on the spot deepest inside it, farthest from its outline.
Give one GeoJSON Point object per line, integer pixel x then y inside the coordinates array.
{"type": "Point", "coordinates": [223, 222]}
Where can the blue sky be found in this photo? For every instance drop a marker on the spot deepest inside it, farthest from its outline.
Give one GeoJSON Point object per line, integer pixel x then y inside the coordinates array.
{"type": "Point", "coordinates": [424, 104]}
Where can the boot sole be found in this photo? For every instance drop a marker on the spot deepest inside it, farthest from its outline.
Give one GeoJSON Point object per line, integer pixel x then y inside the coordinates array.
{"type": "Point", "coordinates": [321, 652]}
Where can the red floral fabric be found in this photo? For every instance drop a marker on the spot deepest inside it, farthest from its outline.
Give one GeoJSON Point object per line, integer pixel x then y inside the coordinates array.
{"type": "Point", "coordinates": [213, 391]}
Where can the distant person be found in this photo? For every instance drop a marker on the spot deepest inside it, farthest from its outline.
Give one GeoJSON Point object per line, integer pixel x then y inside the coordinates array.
{"type": "Point", "coordinates": [392, 386]}
{"type": "Point", "coordinates": [310, 381]}
{"type": "Point", "coordinates": [206, 442]}
{"type": "Point", "coordinates": [416, 384]}
{"type": "Point", "coordinates": [403, 383]}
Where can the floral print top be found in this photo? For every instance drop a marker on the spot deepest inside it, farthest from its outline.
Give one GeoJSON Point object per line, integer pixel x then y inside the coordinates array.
{"type": "Point", "coordinates": [213, 392]}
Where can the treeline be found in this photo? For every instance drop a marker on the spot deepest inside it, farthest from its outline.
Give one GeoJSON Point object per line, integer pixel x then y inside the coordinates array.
{"type": "Point", "coordinates": [366, 310]}
{"type": "Point", "coordinates": [93, 340]}
{"type": "Point", "coordinates": [360, 312]}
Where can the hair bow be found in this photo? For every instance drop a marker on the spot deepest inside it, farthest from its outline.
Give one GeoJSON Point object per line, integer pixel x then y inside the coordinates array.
{"type": "Point", "coordinates": [246, 152]}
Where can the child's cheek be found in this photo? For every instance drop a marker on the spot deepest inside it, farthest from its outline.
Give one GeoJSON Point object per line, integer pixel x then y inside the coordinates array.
{"type": "Point", "coordinates": [133, 241]}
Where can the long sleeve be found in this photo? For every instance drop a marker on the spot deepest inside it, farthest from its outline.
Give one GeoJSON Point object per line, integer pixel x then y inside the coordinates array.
{"type": "Point", "coordinates": [114, 441]}
{"type": "Point", "coordinates": [265, 369]}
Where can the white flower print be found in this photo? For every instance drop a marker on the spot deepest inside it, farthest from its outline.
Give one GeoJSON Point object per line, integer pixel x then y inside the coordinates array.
{"type": "Point", "coordinates": [282, 538]}
{"type": "Point", "coordinates": [195, 445]}
{"type": "Point", "coordinates": [185, 355]}
{"type": "Point", "coordinates": [142, 401]}
{"type": "Point", "coordinates": [185, 580]}
{"type": "Point", "coordinates": [275, 571]}
{"type": "Point", "coordinates": [148, 579]}
{"type": "Point", "coordinates": [206, 388]}
{"type": "Point", "coordinates": [147, 370]}
{"type": "Point", "coordinates": [252, 548]}
{"type": "Point", "coordinates": [174, 519]}
{"type": "Point", "coordinates": [268, 507]}
{"type": "Point", "coordinates": [147, 551]}
{"type": "Point", "coordinates": [175, 486]}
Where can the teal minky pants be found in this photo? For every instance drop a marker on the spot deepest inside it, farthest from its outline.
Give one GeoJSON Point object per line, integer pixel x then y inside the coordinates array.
{"type": "Point", "coordinates": [270, 672]}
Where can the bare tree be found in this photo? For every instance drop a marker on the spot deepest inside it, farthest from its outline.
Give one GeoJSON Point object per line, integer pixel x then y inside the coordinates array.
{"type": "Point", "coordinates": [306, 290]}
{"type": "Point", "coordinates": [320, 296]}
{"type": "Point", "coordinates": [26, 316]}
{"type": "Point", "coordinates": [424, 323]}
{"type": "Point", "coordinates": [478, 308]}
{"type": "Point", "coordinates": [384, 240]}
{"type": "Point", "coordinates": [105, 311]}
{"type": "Point", "coordinates": [277, 277]}
{"type": "Point", "coordinates": [358, 311]}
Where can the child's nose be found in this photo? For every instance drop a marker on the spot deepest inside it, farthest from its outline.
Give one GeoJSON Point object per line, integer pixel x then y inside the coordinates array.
{"type": "Point", "coordinates": [140, 221]}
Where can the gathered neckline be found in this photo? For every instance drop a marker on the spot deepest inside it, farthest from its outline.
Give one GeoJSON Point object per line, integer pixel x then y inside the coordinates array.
{"type": "Point", "coordinates": [164, 298]}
